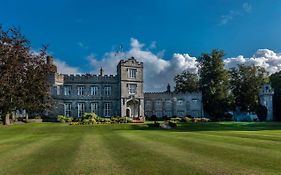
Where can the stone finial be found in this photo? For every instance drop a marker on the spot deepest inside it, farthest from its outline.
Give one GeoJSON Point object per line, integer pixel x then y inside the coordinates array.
{"type": "Point", "coordinates": [101, 71]}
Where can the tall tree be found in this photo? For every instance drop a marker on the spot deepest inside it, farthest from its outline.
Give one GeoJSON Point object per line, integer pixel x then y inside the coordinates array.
{"type": "Point", "coordinates": [17, 65]}
{"type": "Point", "coordinates": [246, 82]}
{"type": "Point", "coordinates": [36, 95]}
{"type": "Point", "coordinates": [186, 82]}
{"type": "Point", "coordinates": [214, 84]}
{"type": "Point", "coordinates": [275, 80]}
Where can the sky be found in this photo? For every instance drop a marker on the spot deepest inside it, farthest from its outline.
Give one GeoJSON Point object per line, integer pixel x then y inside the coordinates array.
{"type": "Point", "coordinates": [166, 35]}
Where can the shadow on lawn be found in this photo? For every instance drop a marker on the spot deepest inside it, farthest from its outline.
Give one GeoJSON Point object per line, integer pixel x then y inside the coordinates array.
{"type": "Point", "coordinates": [215, 126]}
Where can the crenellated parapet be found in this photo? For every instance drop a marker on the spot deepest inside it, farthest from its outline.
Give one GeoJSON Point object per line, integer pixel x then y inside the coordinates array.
{"type": "Point", "coordinates": [89, 78]}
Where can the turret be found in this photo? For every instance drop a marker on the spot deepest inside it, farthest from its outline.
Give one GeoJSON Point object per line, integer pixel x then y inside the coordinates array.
{"type": "Point", "coordinates": [266, 95]}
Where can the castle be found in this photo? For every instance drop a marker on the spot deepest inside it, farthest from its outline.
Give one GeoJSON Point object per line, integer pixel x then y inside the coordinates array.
{"type": "Point", "coordinates": [117, 95]}
{"type": "Point", "coordinates": [123, 95]}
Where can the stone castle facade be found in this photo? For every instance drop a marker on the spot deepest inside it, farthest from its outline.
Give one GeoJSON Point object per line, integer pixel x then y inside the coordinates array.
{"type": "Point", "coordinates": [105, 95]}
{"type": "Point", "coordinates": [117, 95]}
{"type": "Point", "coordinates": [123, 95]}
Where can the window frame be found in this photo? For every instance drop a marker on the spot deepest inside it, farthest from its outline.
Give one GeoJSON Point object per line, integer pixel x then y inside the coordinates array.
{"type": "Point", "coordinates": [132, 73]}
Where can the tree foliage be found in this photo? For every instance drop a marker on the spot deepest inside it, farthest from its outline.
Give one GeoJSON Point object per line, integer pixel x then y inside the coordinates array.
{"type": "Point", "coordinates": [214, 84]}
{"type": "Point", "coordinates": [246, 82]}
{"type": "Point", "coordinates": [186, 82]}
{"type": "Point", "coordinates": [23, 75]}
{"type": "Point", "coordinates": [275, 80]}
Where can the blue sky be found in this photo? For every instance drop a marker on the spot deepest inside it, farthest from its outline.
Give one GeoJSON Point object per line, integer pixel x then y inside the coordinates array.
{"type": "Point", "coordinates": [78, 31]}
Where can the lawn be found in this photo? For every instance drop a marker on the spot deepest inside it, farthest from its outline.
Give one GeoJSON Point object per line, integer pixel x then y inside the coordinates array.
{"type": "Point", "coordinates": [197, 148]}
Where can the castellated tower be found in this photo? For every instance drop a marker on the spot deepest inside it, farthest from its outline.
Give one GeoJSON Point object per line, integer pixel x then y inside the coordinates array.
{"type": "Point", "coordinates": [130, 74]}
{"type": "Point", "coordinates": [266, 95]}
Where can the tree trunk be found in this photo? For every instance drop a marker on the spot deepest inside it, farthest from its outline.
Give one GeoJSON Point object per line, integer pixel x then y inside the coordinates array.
{"type": "Point", "coordinates": [26, 116]}
{"type": "Point", "coordinates": [7, 119]}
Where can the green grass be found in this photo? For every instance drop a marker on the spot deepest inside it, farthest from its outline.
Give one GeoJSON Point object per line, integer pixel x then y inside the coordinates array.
{"type": "Point", "coordinates": [199, 148]}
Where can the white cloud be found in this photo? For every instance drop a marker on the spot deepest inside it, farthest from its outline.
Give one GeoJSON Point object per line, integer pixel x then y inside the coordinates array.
{"type": "Point", "coordinates": [158, 72]}
{"type": "Point", "coordinates": [64, 68]}
{"type": "Point", "coordinates": [82, 45]}
{"type": "Point", "coordinates": [266, 58]}
{"type": "Point", "coordinates": [246, 8]}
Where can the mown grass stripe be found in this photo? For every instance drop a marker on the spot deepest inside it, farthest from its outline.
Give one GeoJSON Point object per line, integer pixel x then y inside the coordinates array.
{"type": "Point", "coordinates": [135, 158]}
{"type": "Point", "coordinates": [189, 157]}
{"type": "Point", "coordinates": [230, 154]}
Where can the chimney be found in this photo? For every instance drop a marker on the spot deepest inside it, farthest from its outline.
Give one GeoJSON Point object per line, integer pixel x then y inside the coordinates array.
{"type": "Point", "coordinates": [50, 60]}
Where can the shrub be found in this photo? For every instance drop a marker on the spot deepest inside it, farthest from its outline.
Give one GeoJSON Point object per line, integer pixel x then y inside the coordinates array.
{"type": "Point", "coordinates": [68, 119]}
{"type": "Point", "coordinates": [89, 116]}
{"type": "Point", "coordinates": [176, 119]}
{"type": "Point", "coordinates": [173, 124]}
{"type": "Point", "coordinates": [203, 119]}
{"type": "Point", "coordinates": [187, 119]}
{"type": "Point", "coordinates": [61, 118]}
{"type": "Point", "coordinates": [118, 119]}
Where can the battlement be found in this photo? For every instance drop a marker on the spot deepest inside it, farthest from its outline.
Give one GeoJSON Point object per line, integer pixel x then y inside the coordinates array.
{"type": "Point", "coordinates": [89, 78]}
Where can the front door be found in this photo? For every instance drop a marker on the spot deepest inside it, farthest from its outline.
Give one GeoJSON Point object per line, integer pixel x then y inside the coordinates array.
{"type": "Point", "coordinates": [128, 113]}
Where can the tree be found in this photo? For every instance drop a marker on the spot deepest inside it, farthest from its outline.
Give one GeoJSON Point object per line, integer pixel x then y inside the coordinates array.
{"type": "Point", "coordinates": [17, 65]}
{"type": "Point", "coordinates": [246, 82]}
{"type": "Point", "coordinates": [275, 80]}
{"type": "Point", "coordinates": [214, 84]}
{"type": "Point", "coordinates": [37, 98]}
{"type": "Point", "coordinates": [186, 82]}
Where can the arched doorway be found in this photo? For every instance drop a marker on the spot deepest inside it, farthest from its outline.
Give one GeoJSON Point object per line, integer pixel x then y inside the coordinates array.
{"type": "Point", "coordinates": [133, 108]}
{"type": "Point", "coordinates": [128, 113]}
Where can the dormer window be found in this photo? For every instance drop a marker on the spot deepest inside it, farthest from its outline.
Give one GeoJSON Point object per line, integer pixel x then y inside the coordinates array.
{"type": "Point", "coordinates": [132, 73]}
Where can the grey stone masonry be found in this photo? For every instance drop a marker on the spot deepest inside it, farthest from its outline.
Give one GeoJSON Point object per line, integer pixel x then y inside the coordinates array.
{"type": "Point", "coordinates": [106, 95]}
{"type": "Point", "coordinates": [266, 95]}
{"type": "Point", "coordinates": [173, 104]}
{"type": "Point", "coordinates": [117, 95]}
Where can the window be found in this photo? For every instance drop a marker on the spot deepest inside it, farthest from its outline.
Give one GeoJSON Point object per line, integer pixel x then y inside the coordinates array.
{"type": "Point", "coordinates": [94, 107]}
{"type": "Point", "coordinates": [94, 90]}
{"type": "Point", "coordinates": [132, 73]}
{"type": "Point", "coordinates": [107, 109]}
{"type": "Point", "coordinates": [168, 103]}
{"type": "Point", "coordinates": [80, 90]}
{"type": "Point", "coordinates": [180, 102]}
{"type": "Point", "coordinates": [194, 100]}
{"type": "Point", "coordinates": [158, 102]}
{"type": "Point", "coordinates": [180, 113]}
{"type": "Point", "coordinates": [132, 88]}
{"type": "Point", "coordinates": [56, 90]}
{"type": "Point", "coordinates": [67, 90]}
{"type": "Point", "coordinates": [107, 90]}
{"type": "Point", "coordinates": [67, 109]}
{"type": "Point", "coordinates": [148, 103]}
{"type": "Point", "coordinates": [169, 113]}
{"type": "Point", "coordinates": [81, 109]}
{"type": "Point", "coordinates": [158, 114]}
